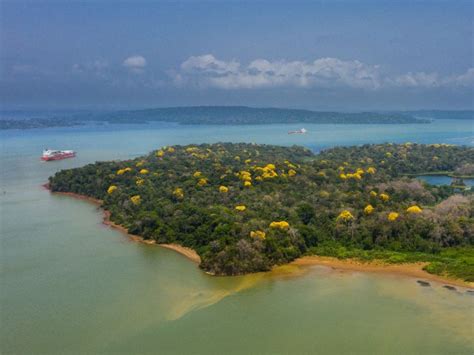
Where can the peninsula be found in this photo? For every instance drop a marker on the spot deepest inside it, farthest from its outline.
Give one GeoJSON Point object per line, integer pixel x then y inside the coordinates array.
{"type": "Point", "coordinates": [246, 207]}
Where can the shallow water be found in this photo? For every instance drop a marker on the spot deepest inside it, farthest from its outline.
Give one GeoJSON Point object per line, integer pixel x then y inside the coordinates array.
{"type": "Point", "coordinates": [443, 180]}
{"type": "Point", "coordinates": [72, 285]}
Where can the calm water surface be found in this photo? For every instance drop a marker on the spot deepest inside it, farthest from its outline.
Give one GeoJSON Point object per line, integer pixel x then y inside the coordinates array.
{"type": "Point", "coordinates": [442, 180]}
{"type": "Point", "coordinates": [71, 285]}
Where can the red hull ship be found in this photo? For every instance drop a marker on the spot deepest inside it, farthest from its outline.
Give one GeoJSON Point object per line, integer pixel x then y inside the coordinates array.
{"type": "Point", "coordinates": [50, 154]}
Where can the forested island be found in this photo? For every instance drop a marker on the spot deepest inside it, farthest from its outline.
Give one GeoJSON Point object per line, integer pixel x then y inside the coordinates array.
{"type": "Point", "coordinates": [247, 207]}
{"type": "Point", "coordinates": [237, 115]}
{"type": "Point", "coordinates": [219, 115]}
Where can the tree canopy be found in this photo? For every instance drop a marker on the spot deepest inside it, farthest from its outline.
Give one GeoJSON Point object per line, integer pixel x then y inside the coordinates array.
{"type": "Point", "coordinates": [247, 207]}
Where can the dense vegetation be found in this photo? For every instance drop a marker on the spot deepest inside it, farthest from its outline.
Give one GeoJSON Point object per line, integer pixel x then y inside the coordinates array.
{"type": "Point", "coordinates": [38, 123]}
{"type": "Point", "coordinates": [249, 115]}
{"type": "Point", "coordinates": [247, 207]}
{"type": "Point", "coordinates": [213, 115]}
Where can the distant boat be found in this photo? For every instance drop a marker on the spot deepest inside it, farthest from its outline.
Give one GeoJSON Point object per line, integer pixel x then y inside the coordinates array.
{"type": "Point", "coordinates": [300, 131]}
{"type": "Point", "coordinates": [49, 154]}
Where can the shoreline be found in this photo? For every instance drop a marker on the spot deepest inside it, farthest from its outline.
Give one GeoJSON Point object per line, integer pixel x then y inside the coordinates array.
{"type": "Point", "coordinates": [414, 270]}
{"type": "Point", "coordinates": [187, 252]}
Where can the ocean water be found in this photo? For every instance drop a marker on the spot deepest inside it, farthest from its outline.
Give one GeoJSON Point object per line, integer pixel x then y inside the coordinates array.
{"type": "Point", "coordinates": [71, 285]}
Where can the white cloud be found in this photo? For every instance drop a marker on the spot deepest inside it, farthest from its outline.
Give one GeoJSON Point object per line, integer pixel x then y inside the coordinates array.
{"type": "Point", "coordinates": [135, 63]}
{"type": "Point", "coordinates": [421, 79]}
{"type": "Point", "coordinates": [208, 71]}
{"type": "Point", "coordinates": [433, 80]}
{"type": "Point", "coordinates": [208, 63]}
{"type": "Point", "coordinates": [466, 79]}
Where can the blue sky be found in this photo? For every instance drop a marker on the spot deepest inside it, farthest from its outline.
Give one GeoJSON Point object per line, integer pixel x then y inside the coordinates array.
{"type": "Point", "coordinates": [338, 55]}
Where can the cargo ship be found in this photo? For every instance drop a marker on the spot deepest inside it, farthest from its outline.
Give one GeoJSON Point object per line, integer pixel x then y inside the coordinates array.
{"type": "Point", "coordinates": [300, 131]}
{"type": "Point", "coordinates": [49, 154]}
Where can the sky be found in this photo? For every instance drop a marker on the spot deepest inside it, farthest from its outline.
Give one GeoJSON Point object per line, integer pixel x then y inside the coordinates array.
{"type": "Point", "coordinates": [323, 55]}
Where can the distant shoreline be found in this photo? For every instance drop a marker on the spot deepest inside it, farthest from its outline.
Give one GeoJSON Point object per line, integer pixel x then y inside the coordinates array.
{"type": "Point", "coordinates": [216, 115]}
{"type": "Point", "coordinates": [406, 269]}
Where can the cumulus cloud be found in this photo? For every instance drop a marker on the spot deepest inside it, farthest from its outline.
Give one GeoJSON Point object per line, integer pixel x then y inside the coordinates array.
{"type": "Point", "coordinates": [421, 79]}
{"type": "Point", "coordinates": [433, 80]}
{"type": "Point", "coordinates": [466, 79]}
{"type": "Point", "coordinates": [208, 71]}
{"type": "Point", "coordinates": [135, 63]}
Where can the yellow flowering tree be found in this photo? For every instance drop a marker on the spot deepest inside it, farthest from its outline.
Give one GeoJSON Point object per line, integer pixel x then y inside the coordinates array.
{"type": "Point", "coordinates": [241, 208]}
{"type": "Point", "coordinates": [160, 153]}
{"type": "Point", "coordinates": [111, 189]}
{"type": "Point", "coordinates": [393, 216]}
{"type": "Point", "coordinates": [345, 216]}
{"type": "Point", "coordinates": [385, 197]}
{"type": "Point", "coordinates": [136, 199]}
{"type": "Point", "coordinates": [202, 182]}
{"type": "Point", "coordinates": [270, 174]}
{"type": "Point", "coordinates": [245, 176]}
{"type": "Point", "coordinates": [258, 234]}
{"type": "Point", "coordinates": [178, 193]}
{"type": "Point", "coordinates": [355, 176]}
{"type": "Point", "coordinates": [280, 225]}
{"type": "Point", "coordinates": [144, 171]}
{"type": "Point", "coordinates": [192, 150]}
{"type": "Point", "coordinates": [223, 189]}
{"type": "Point", "coordinates": [414, 209]}
{"type": "Point", "coordinates": [368, 209]}
{"type": "Point", "coordinates": [291, 172]}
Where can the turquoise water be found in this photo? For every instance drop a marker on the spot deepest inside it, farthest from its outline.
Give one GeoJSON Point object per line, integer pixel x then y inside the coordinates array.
{"type": "Point", "coordinates": [443, 180]}
{"type": "Point", "coordinates": [72, 285]}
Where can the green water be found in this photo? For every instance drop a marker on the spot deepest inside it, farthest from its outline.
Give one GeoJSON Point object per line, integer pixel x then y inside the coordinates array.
{"type": "Point", "coordinates": [69, 284]}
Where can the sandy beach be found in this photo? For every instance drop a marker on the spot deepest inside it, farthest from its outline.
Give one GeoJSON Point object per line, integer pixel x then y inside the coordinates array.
{"type": "Point", "coordinates": [408, 269]}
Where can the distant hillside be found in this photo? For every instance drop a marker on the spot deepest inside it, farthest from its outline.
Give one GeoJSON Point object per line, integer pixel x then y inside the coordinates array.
{"type": "Point", "coordinates": [219, 115]}
{"type": "Point", "coordinates": [248, 115]}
